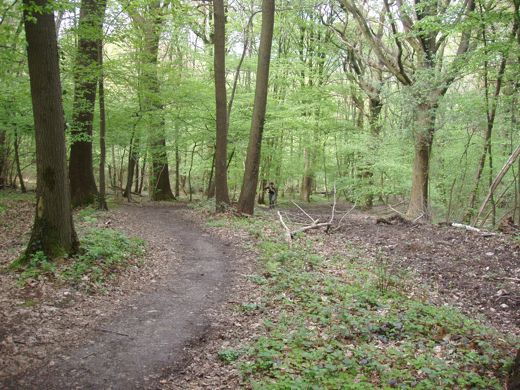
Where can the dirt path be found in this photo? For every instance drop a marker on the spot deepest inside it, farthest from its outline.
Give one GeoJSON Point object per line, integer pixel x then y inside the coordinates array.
{"type": "Point", "coordinates": [149, 335]}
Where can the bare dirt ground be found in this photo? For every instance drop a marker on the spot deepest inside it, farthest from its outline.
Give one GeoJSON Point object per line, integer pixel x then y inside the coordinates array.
{"type": "Point", "coordinates": [122, 342]}
{"type": "Point", "coordinates": [125, 337]}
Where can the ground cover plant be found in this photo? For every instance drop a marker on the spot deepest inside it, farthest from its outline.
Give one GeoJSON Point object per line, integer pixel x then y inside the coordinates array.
{"type": "Point", "coordinates": [348, 320]}
{"type": "Point", "coordinates": [104, 251]}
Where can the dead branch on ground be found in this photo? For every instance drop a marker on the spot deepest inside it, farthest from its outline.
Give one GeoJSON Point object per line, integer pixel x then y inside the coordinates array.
{"type": "Point", "coordinates": [315, 224]}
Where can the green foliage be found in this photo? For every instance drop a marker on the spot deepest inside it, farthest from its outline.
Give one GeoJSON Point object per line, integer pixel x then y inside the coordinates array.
{"type": "Point", "coordinates": [37, 266]}
{"type": "Point", "coordinates": [103, 252]}
{"type": "Point", "coordinates": [229, 355]}
{"type": "Point", "coordinates": [347, 322]}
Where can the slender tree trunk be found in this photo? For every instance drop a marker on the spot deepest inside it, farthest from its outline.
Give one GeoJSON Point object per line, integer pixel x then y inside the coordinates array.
{"type": "Point", "coordinates": [143, 171]}
{"type": "Point", "coordinates": [86, 73]}
{"type": "Point", "coordinates": [3, 159]}
{"type": "Point", "coordinates": [177, 171]}
{"type": "Point", "coordinates": [308, 177]}
{"type": "Point", "coordinates": [102, 203]}
{"type": "Point", "coordinates": [17, 161]}
{"type": "Point", "coordinates": [136, 184]}
{"type": "Point", "coordinates": [246, 202]}
{"type": "Point", "coordinates": [53, 230]}
{"type": "Point", "coordinates": [112, 171]}
{"type": "Point", "coordinates": [210, 191]}
{"type": "Point", "coordinates": [133, 157]}
{"type": "Point", "coordinates": [219, 40]}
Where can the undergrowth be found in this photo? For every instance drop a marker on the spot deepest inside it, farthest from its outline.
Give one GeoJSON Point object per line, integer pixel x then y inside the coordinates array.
{"type": "Point", "coordinates": [346, 321]}
{"type": "Point", "coordinates": [102, 253]}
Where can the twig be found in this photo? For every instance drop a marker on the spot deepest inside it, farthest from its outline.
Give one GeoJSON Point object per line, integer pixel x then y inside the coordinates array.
{"type": "Point", "coordinates": [333, 206]}
{"type": "Point", "coordinates": [344, 215]}
{"type": "Point", "coordinates": [467, 227]}
{"type": "Point", "coordinates": [303, 211]}
{"type": "Point", "coordinates": [288, 235]}
{"type": "Point", "coordinates": [419, 217]}
{"type": "Point", "coordinates": [313, 226]}
{"type": "Point", "coordinates": [113, 332]}
{"type": "Point", "coordinates": [397, 211]}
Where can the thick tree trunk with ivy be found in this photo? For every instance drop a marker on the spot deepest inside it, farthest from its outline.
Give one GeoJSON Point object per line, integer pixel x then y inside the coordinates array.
{"type": "Point", "coordinates": [246, 202]}
{"type": "Point", "coordinates": [86, 74]}
{"type": "Point", "coordinates": [53, 231]}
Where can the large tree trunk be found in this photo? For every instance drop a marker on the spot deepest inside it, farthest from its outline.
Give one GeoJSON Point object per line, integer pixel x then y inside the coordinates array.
{"type": "Point", "coordinates": [86, 73]}
{"type": "Point", "coordinates": [246, 202]}
{"type": "Point", "coordinates": [221, 185]}
{"type": "Point", "coordinates": [159, 188]}
{"type": "Point", "coordinates": [423, 138]}
{"type": "Point", "coordinates": [53, 231]}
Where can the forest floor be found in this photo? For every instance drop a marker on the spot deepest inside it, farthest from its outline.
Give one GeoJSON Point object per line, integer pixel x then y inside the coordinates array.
{"type": "Point", "coordinates": [58, 337]}
{"type": "Point", "coordinates": [201, 281]}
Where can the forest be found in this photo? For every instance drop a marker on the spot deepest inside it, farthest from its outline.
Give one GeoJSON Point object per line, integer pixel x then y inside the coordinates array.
{"type": "Point", "coordinates": [314, 130]}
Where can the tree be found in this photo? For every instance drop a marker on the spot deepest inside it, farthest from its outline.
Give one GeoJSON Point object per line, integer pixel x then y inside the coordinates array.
{"type": "Point", "coordinates": [246, 202]}
{"type": "Point", "coordinates": [417, 33]}
{"type": "Point", "coordinates": [53, 230]}
{"type": "Point", "coordinates": [149, 22]}
{"type": "Point", "coordinates": [86, 74]}
{"type": "Point", "coordinates": [102, 203]}
{"type": "Point", "coordinates": [219, 40]}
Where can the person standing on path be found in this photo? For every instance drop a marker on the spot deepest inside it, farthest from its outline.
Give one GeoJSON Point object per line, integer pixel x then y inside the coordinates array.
{"type": "Point", "coordinates": [271, 189]}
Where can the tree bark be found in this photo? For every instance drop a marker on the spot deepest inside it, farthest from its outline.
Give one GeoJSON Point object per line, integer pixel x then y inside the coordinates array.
{"type": "Point", "coordinates": [53, 230]}
{"type": "Point", "coordinates": [219, 40]}
{"type": "Point", "coordinates": [102, 203]}
{"type": "Point", "coordinates": [133, 157]}
{"type": "Point", "coordinates": [3, 159]}
{"type": "Point", "coordinates": [423, 137]}
{"type": "Point", "coordinates": [86, 74]}
{"type": "Point", "coordinates": [246, 202]}
{"type": "Point", "coordinates": [17, 161]}
{"type": "Point", "coordinates": [150, 25]}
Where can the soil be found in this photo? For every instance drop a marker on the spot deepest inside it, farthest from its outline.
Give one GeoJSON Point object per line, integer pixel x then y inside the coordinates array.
{"type": "Point", "coordinates": [163, 325]}
{"type": "Point", "coordinates": [148, 331]}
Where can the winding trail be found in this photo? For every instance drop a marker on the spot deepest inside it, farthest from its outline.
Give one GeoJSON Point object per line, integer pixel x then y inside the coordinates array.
{"type": "Point", "coordinates": [149, 335]}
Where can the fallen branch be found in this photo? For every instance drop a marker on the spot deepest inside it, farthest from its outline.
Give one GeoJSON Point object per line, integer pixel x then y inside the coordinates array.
{"type": "Point", "coordinates": [288, 235]}
{"type": "Point", "coordinates": [344, 215]}
{"type": "Point", "coordinates": [313, 226]}
{"type": "Point", "coordinates": [396, 211]}
{"type": "Point", "coordinates": [303, 211]}
{"type": "Point", "coordinates": [473, 229]}
{"type": "Point", "coordinates": [467, 227]}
